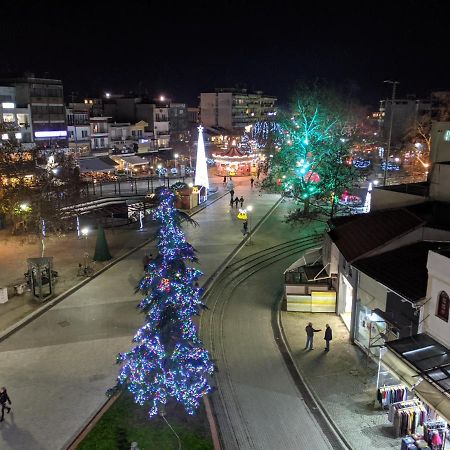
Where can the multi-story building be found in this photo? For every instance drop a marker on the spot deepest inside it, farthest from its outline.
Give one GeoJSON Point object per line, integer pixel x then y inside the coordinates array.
{"type": "Point", "coordinates": [99, 131]}
{"type": "Point", "coordinates": [17, 119]}
{"type": "Point", "coordinates": [48, 114]}
{"type": "Point", "coordinates": [235, 109]}
{"type": "Point", "coordinates": [406, 113]}
{"type": "Point", "coordinates": [138, 109]}
{"type": "Point", "coordinates": [178, 122]}
{"type": "Point", "coordinates": [78, 129]}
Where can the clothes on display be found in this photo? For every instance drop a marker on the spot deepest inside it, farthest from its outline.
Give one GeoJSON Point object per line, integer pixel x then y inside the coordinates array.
{"type": "Point", "coordinates": [435, 433]}
{"type": "Point", "coordinates": [406, 416]}
{"type": "Point", "coordinates": [387, 395]}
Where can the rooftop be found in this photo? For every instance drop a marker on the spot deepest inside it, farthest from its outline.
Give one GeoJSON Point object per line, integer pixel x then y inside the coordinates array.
{"type": "Point", "coordinates": [364, 233]}
{"type": "Point", "coordinates": [403, 270]}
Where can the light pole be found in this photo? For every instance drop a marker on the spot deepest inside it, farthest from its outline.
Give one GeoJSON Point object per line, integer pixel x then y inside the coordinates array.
{"type": "Point", "coordinates": [176, 155]}
{"type": "Point", "coordinates": [85, 232]}
{"type": "Point", "coordinates": [388, 150]}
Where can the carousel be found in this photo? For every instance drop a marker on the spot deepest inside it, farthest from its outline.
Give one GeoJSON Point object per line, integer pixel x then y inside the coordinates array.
{"type": "Point", "coordinates": [235, 163]}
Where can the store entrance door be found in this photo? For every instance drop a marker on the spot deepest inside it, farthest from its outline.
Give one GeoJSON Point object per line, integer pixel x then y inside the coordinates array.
{"type": "Point", "coordinates": [347, 296]}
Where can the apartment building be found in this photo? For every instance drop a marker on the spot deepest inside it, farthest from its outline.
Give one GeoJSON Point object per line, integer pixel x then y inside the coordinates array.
{"type": "Point", "coordinates": [235, 109]}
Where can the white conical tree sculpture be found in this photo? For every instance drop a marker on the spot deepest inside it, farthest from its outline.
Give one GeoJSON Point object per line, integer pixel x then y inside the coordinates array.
{"type": "Point", "coordinates": [201, 169]}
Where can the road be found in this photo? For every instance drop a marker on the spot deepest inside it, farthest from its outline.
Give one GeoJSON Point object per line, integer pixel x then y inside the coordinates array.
{"type": "Point", "coordinates": [58, 367]}
{"type": "Point", "coordinates": [257, 403]}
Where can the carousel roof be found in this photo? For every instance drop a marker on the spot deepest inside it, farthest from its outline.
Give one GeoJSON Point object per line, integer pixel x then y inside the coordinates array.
{"type": "Point", "coordinates": [233, 153]}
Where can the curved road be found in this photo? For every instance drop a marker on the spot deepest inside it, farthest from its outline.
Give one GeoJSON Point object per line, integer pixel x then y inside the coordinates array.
{"type": "Point", "coordinates": [257, 403]}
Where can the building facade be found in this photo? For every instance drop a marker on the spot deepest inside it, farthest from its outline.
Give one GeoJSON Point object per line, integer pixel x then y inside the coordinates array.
{"type": "Point", "coordinates": [45, 98]}
{"type": "Point", "coordinates": [235, 109]}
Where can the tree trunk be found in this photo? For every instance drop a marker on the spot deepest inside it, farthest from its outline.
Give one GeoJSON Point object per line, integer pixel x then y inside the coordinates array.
{"type": "Point", "coordinates": [306, 207]}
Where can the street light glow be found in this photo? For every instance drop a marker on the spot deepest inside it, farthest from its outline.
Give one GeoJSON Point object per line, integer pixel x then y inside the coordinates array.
{"type": "Point", "coordinates": [85, 231]}
{"type": "Point", "coordinates": [24, 206]}
{"type": "Point", "coordinates": [250, 208]}
{"type": "Point", "coordinates": [176, 155]}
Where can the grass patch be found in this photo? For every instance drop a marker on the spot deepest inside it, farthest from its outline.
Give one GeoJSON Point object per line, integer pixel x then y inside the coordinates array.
{"type": "Point", "coordinates": [126, 422]}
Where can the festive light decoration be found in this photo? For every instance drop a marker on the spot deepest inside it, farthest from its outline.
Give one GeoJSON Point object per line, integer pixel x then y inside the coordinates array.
{"type": "Point", "coordinates": [168, 360]}
{"type": "Point", "coordinates": [315, 144]}
{"type": "Point", "coordinates": [201, 168]}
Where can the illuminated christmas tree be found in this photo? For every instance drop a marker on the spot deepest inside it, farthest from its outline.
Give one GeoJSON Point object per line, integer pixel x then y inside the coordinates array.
{"type": "Point", "coordinates": [168, 359]}
{"type": "Point", "coordinates": [314, 164]}
{"type": "Point", "coordinates": [201, 167]}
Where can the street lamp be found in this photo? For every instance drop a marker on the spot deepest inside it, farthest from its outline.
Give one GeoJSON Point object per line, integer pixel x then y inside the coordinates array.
{"type": "Point", "coordinates": [388, 152]}
{"type": "Point", "coordinates": [85, 232]}
{"type": "Point", "coordinates": [176, 155]}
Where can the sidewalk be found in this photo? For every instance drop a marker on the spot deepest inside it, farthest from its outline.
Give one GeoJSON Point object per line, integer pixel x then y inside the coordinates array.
{"type": "Point", "coordinates": [67, 251]}
{"type": "Point", "coordinates": [343, 380]}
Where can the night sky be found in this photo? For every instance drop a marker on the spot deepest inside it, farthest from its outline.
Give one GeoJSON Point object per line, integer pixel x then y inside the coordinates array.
{"type": "Point", "coordinates": [269, 46]}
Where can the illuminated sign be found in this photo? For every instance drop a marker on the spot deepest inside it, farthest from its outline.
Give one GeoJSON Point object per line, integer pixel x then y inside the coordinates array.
{"type": "Point", "coordinates": [18, 135]}
{"type": "Point", "coordinates": [5, 136]}
{"type": "Point", "coordinates": [47, 134]}
{"type": "Point", "coordinates": [8, 105]}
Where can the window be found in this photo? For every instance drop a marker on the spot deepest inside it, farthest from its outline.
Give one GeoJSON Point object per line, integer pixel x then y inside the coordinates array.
{"type": "Point", "coordinates": [447, 135]}
{"type": "Point", "coordinates": [8, 117]}
{"type": "Point", "coordinates": [84, 133]}
{"type": "Point", "coordinates": [443, 306]}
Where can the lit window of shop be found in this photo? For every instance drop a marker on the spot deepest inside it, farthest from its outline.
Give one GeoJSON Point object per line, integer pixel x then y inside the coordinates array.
{"type": "Point", "coordinates": [8, 117]}
{"type": "Point", "coordinates": [443, 306]}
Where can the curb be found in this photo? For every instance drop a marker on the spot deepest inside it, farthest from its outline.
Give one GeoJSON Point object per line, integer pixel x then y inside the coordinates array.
{"type": "Point", "coordinates": [301, 382]}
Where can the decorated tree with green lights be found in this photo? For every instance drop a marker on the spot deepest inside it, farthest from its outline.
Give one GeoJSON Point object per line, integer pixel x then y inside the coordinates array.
{"type": "Point", "coordinates": [168, 359]}
{"type": "Point", "coordinates": [313, 163]}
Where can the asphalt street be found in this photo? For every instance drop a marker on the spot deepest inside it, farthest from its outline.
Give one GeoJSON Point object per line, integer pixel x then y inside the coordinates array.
{"type": "Point", "coordinates": [257, 403]}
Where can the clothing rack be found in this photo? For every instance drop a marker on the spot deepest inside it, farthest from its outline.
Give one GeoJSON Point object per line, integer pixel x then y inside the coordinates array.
{"type": "Point", "coordinates": [435, 433]}
{"type": "Point", "coordinates": [406, 416]}
{"type": "Point", "coordinates": [386, 395]}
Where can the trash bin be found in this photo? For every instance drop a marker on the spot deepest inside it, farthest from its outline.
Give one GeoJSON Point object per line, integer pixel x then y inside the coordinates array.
{"type": "Point", "coordinates": [3, 295]}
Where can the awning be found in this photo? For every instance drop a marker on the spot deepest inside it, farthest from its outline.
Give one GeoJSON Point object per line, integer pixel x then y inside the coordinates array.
{"type": "Point", "coordinates": [135, 160]}
{"type": "Point", "coordinates": [309, 256]}
{"type": "Point", "coordinates": [413, 380]}
{"type": "Point", "coordinates": [94, 165]}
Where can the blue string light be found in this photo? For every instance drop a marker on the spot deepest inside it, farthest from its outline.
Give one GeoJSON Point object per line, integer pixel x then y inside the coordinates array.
{"type": "Point", "coordinates": [168, 360]}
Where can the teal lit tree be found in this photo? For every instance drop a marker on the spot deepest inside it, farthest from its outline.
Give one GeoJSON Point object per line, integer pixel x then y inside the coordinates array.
{"type": "Point", "coordinates": [313, 164]}
{"type": "Point", "coordinates": [168, 359]}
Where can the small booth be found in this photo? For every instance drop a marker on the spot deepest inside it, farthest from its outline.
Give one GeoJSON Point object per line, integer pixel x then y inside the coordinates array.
{"type": "Point", "coordinates": [190, 197]}
{"type": "Point", "coordinates": [235, 163]}
{"type": "Point", "coordinates": [307, 286]}
{"type": "Point", "coordinates": [40, 275]}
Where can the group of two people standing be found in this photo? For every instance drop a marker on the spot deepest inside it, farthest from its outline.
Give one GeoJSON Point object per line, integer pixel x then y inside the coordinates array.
{"type": "Point", "coordinates": [236, 200]}
{"type": "Point", "coordinates": [310, 336]}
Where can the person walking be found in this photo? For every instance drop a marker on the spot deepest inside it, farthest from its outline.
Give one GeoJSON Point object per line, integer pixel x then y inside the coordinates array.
{"type": "Point", "coordinates": [251, 182]}
{"type": "Point", "coordinates": [232, 193]}
{"type": "Point", "coordinates": [231, 202]}
{"type": "Point", "coordinates": [236, 200]}
{"type": "Point", "coordinates": [224, 180]}
{"type": "Point", "coordinates": [310, 336]}
{"type": "Point", "coordinates": [328, 337]}
{"type": "Point", "coordinates": [242, 201]}
{"type": "Point", "coordinates": [245, 225]}
{"type": "Point", "coordinates": [3, 399]}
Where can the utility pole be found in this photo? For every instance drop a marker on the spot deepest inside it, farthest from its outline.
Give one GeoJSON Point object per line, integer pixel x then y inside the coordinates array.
{"type": "Point", "coordinates": [388, 150]}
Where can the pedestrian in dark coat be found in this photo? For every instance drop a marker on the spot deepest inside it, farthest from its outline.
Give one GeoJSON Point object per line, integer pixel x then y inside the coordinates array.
{"type": "Point", "coordinates": [328, 337]}
{"type": "Point", "coordinates": [236, 200]}
{"type": "Point", "coordinates": [3, 399]}
{"type": "Point", "coordinates": [251, 181]}
{"type": "Point", "coordinates": [242, 201]}
{"type": "Point", "coordinates": [232, 193]}
{"type": "Point", "coordinates": [224, 180]}
{"type": "Point", "coordinates": [310, 336]}
{"type": "Point", "coordinates": [245, 228]}
{"type": "Point", "coordinates": [231, 201]}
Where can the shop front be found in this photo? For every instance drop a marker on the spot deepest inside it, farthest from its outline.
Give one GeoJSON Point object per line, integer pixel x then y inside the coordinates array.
{"type": "Point", "coordinates": [413, 386]}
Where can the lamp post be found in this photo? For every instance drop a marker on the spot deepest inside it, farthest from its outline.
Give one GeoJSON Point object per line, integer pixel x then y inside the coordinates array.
{"type": "Point", "coordinates": [176, 155]}
{"type": "Point", "coordinates": [388, 150]}
{"type": "Point", "coordinates": [85, 233]}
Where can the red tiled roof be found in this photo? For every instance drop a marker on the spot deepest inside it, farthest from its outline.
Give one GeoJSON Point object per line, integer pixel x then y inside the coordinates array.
{"type": "Point", "coordinates": [367, 232]}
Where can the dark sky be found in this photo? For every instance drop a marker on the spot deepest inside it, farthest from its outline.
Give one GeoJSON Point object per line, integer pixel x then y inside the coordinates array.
{"type": "Point", "coordinates": [269, 46]}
